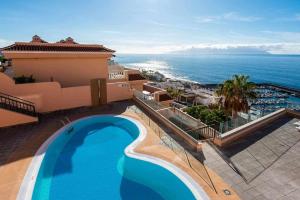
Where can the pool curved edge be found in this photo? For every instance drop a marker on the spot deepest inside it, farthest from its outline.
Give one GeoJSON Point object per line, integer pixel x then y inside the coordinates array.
{"type": "Point", "coordinates": [197, 191]}
{"type": "Point", "coordinates": [28, 183]}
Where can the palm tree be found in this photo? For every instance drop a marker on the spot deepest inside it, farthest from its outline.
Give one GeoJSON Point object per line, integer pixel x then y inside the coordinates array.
{"type": "Point", "coordinates": [235, 94]}
{"type": "Point", "coordinates": [174, 93]}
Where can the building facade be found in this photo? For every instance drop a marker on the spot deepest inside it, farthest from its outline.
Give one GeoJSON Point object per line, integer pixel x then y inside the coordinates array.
{"type": "Point", "coordinates": [66, 62]}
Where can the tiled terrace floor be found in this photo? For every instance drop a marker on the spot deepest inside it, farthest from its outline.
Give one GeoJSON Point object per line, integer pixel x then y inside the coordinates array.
{"type": "Point", "coordinates": [19, 144]}
{"type": "Point", "coordinates": [268, 159]}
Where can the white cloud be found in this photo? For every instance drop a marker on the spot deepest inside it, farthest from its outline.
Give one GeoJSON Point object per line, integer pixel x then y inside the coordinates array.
{"type": "Point", "coordinates": [142, 46]}
{"type": "Point", "coordinates": [286, 36]}
{"type": "Point", "coordinates": [286, 48]}
{"type": "Point", "coordinates": [110, 32]}
{"type": "Point", "coordinates": [207, 19]}
{"type": "Point", "coordinates": [159, 23]}
{"type": "Point", "coordinates": [273, 48]}
{"type": "Point", "coordinates": [4, 42]}
{"type": "Point", "coordinates": [230, 16]}
{"type": "Point", "coordinates": [177, 26]}
{"type": "Point", "coordinates": [233, 16]}
{"type": "Point", "coordinates": [293, 18]}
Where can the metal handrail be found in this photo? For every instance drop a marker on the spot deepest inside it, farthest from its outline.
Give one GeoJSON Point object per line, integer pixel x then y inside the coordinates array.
{"type": "Point", "coordinates": [19, 99]}
{"type": "Point", "coordinates": [14, 104]}
{"type": "Point", "coordinates": [204, 130]}
{"type": "Point", "coordinates": [175, 147]}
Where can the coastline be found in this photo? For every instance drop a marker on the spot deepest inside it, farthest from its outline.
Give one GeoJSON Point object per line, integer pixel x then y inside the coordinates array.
{"type": "Point", "coordinates": [163, 78]}
{"type": "Point", "coordinates": [214, 69]}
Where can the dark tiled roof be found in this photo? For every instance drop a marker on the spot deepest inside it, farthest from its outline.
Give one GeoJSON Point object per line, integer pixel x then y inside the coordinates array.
{"type": "Point", "coordinates": [53, 47]}
{"type": "Point", "coordinates": [134, 77]}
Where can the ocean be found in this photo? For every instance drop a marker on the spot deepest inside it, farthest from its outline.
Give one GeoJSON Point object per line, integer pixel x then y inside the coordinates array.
{"type": "Point", "coordinates": [279, 69]}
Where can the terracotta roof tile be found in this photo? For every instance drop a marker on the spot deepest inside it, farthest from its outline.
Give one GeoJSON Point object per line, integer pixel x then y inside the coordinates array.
{"type": "Point", "coordinates": [71, 47]}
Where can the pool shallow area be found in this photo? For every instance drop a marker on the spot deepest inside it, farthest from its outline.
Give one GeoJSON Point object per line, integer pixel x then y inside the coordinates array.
{"type": "Point", "coordinates": [93, 158]}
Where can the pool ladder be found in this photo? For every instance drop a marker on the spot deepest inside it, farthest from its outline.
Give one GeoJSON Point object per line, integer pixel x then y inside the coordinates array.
{"type": "Point", "coordinates": [66, 121]}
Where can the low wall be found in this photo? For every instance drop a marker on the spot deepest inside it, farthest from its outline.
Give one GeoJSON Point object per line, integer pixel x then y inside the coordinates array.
{"type": "Point", "coordinates": [166, 103]}
{"type": "Point", "coordinates": [151, 88]}
{"type": "Point", "coordinates": [47, 96]}
{"type": "Point", "coordinates": [118, 91]}
{"type": "Point", "coordinates": [186, 119]}
{"type": "Point", "coordinates": [116, 80]}
{"type": "Point", "coordinates": [73, 97]}
{"type": "Point", "coordinates": [137, 84]}
{"type": "Point", "coordinates": [189, 121]}
{"type": "Point", "coordinates": [187, 138]}
{"type": "Point", "coordinates": [248, 128]}
{"type": "Point", "coordinates": [293, 113]}
{"type": "Point", "coordinates": [50, 96]}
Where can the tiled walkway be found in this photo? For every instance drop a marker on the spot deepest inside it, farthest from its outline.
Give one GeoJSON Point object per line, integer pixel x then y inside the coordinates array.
{"type": "Point", "coordinates": [268, 160]}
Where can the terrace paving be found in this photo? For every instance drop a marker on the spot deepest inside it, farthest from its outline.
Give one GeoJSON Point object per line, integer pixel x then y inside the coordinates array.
{"type": "Point", "coordinates": [19, 144]}
{"type": "Point", "coordinates": [268, 161]}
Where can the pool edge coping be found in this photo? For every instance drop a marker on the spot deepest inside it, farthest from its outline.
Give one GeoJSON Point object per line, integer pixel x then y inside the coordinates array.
{"type": "Point", "coordinates": [193, 186]}
{"type": "Point", "coordinates": [26, 189]}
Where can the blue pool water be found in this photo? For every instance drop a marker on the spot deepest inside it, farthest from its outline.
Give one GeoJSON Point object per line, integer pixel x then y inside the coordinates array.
{"type": "Point", "coordinates": [90, 163]}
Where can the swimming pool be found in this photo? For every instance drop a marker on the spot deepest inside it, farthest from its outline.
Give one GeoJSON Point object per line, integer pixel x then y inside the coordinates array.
{"type": "Point", "coordinates": [93, 158]}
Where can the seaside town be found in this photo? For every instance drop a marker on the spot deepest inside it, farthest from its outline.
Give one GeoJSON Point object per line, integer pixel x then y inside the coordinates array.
{"type": "Point", "coordinates": [269, 98]}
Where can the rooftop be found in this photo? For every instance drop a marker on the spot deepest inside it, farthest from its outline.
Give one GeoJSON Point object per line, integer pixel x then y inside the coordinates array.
{"type": "Point", "coordinates": [263, 165]}
{"type": "Point", "coordinates": [68, 45]}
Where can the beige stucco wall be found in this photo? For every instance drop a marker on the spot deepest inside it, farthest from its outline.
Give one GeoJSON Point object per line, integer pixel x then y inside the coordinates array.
{"type": "Point", "coordinates": [118, 91]}
{"type": "Point", "coordinates": [9, 118]}
{"type": "Point", "coordinates": [69, 69]}
{"type": "Point", "coordinates": [132, 71]}
{"type": "Point", "coordinates": [49, 96]}
{"type": "Point", "coordinates": [138, 84]}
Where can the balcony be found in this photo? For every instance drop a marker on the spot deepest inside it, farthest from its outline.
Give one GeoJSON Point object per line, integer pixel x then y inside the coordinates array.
{"type": "Point", "coordinates": [135, 77]}
{"type": "Point", "coordinates": [116, 75]}
{"type": "Point", "coordinates": [125, 74]}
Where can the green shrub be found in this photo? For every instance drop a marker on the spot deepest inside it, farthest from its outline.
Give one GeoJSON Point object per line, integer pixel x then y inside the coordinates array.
{"type": "Point", "coordinates": [24, 79]}
{"type": "Point", "coordinates": [1, 58]}
{"type": "Point", "coordinates": [207, 115]}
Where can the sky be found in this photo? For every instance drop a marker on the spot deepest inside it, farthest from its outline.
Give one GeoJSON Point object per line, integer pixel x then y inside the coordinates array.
{"type": "Point", "coordinates": [156, 26]}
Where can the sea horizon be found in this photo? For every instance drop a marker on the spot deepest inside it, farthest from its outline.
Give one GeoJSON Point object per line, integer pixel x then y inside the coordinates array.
{"type": "Point", "coordinates": [281, 69]}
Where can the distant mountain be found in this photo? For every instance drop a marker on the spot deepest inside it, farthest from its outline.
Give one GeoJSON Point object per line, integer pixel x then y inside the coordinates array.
{"type": "Point", "coordinates": [227, 50]}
